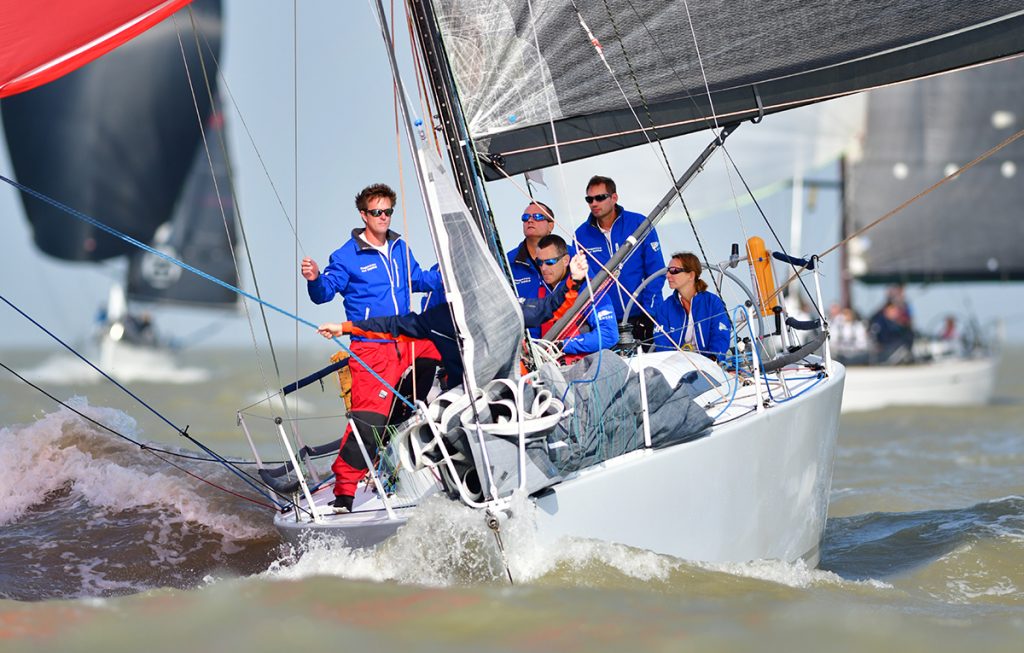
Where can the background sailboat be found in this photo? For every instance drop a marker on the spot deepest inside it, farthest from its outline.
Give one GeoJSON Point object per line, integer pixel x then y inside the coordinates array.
{"type": "Point", "coordinates": [969, 229]}
{"type": "Point", "coordinates": [121, 141]}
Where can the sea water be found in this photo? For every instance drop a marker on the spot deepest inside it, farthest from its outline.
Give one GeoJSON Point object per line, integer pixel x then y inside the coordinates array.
{"type": "Point", "coordinates": [109, 546]}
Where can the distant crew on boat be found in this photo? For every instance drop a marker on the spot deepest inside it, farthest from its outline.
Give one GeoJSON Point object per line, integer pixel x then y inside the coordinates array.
{"type": "Point", "coordinates": [604, 231]}
{"type": "Point", "coordinates": [375, 273]}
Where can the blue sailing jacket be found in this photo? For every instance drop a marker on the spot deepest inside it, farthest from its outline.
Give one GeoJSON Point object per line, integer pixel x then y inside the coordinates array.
{"type": "Point", "coordinates": [525, 276]}
{"type": "Point", "coordinates": [372, 284]}
{"type": "Point", "coordinates": [601, 328]}
{"type": "Point", "coordinates": [646, 260]}
{"type": "Point", "coordinates": [711, 327]}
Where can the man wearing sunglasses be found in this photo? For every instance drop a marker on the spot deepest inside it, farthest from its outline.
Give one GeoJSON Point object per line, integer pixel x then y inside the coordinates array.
{"type": "Point", "coordinates": [597, 329]}
{"type": "Point", "coordinates": [436, 322]}
{"type": "Point", "coordinates": [375, 273]}
{"type": "Point", "coordinates": [538, 222]}
{"type": "Point", "coordinates": [602, 234]}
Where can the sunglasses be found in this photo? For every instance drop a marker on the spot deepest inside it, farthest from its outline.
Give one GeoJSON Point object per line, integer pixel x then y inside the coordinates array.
{"type": "Point", "coordinates": [536, 217]}
{"type": "Point", "coordinates": [378, 212]}
{"type": "Point", "coordinates": [676, 270]}
{"type": "Point", "coordinates": [596, 198]}
{"type": "Point", "coordinates": [541, 262]}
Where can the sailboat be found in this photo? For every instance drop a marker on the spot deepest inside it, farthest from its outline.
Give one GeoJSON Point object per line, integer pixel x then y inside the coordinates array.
{"type": "Point", "coordinates": [748, 484]}
{"type": "Point", "coordinates": [666, 451]}
{"type": "Point", "coordinates": [118, 139]}
{"type": "Point", "coordinates": [966, 230]}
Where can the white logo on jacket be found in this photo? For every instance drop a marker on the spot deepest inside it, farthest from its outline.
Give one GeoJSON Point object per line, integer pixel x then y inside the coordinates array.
{"type": "Point", "coordinates": [367, 268]}
{"type": "Point", "coordinates": [605, 314]}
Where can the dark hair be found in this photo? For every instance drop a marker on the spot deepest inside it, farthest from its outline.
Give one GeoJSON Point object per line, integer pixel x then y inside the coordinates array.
{"type": "Point", "coordinates": [547, 209]}
{"type": "Point", "coordinates": [609, 185]}
{"type": "Point", "coordinates": [690, 263]}
{"type": "Point", "coordinates": [557, 241]}
{"type": "Point", "coordinates": [374, 190]}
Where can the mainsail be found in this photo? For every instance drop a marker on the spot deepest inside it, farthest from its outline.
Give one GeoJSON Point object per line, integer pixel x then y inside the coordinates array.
{"type": "Point", "coordinates": [522, 65]}
{"type": "Point", "coordinates": [116, 139]}
{"type": "Point", "coordinates": [970, 228]}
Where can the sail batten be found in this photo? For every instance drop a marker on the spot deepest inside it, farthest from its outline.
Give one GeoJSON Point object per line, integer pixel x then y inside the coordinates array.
{"type": "Point", "coordinates": [755, 56]}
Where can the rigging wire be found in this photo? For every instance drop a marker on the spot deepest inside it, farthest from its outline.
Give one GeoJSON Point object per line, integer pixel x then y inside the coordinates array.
{"type": "Point", "coordinates": [155, 451]}
{"type": "Point", "coordinates": [237, 212]}
{"type": "Point", "coordinates": [182, 432]}
{"type": "Point", "coordinates": [654, 129]}
{"type": "Point", "coordinates": [114, 232]}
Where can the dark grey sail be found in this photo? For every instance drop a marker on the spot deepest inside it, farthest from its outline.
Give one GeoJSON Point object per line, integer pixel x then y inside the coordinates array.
{"type": "Point", "coordinates": [115, 139]}
{"type": "Point", "coordinates": [969, 229]}
{"type": "Point", "coordinates": [768, 55]}
{"type": "Point", "coordinates": [201, 232]}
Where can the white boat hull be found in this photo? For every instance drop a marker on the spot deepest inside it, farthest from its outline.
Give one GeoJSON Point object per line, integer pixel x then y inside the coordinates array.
{"type": "Point", "coordinates": [752, 489]}
{"type": "Point", "coordinates": [756, 487]}
{"type": "Point", "coordinates": [949, 382]}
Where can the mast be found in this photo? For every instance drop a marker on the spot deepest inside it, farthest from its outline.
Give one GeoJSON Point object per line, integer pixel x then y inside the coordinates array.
{"type": "Point", "coordinates": [845, 298]}
{"type": "Point", "coordinates": [453, 125]}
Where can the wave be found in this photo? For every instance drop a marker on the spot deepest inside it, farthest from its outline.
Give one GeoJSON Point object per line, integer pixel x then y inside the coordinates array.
{"type": "Point", "coordinates": [85, 513]}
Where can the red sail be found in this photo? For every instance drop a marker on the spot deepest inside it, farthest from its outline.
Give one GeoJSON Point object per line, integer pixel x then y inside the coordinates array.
{"type": "Point", "coordinates": [44, 39]}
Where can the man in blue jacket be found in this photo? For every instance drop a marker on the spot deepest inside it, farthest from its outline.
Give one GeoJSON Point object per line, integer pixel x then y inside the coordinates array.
{"type": "Point", "coordinates": [605, 230]}
{"type": "Point", "coordinates": [538, 221]}
{"type": "Point", "coordinates": [598, 328]}
{"type": "Point", "coordinates": [436, 322]}
{"type": "Point", "coordinates": [375, 273]}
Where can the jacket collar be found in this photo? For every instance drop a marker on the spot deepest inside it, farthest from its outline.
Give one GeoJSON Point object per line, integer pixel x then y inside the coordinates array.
{"type": "Point", "coordinates": [523, 255]}
{"type": "Point", "coordinates": [357, 235]}
{"type": "Point", "coordinates": [592, 221]}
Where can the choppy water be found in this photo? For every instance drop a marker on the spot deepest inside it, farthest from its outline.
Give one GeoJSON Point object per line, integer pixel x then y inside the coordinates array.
{"type": "Point", "coordinates": [105, 547]}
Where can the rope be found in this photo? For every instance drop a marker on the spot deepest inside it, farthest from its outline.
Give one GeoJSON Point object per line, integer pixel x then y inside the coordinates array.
{"type": "Point", "coordinates": [193, 270]}
{"type": "Point", "coordinates": [144, 447]}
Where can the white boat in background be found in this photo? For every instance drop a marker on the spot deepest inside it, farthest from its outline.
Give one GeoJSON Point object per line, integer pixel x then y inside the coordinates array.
{"type": "Point", "coordinates": [968, 229]}
{"type": "Point", "coordinates": [952, 381]}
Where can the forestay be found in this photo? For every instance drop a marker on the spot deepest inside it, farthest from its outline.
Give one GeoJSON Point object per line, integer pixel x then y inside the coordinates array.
{"type": "Point", "coordinates": [968, 229]}
{"type": "Point", "coordinates": [754, 55]}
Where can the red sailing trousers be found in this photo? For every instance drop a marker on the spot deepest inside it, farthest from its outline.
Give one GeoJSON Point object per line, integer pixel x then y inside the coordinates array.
{"type": "Point", "coordinates": [371, 401]}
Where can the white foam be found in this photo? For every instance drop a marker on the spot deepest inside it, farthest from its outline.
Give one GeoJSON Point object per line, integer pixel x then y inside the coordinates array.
{"type": "Point", "coordinates": [154, 368]}
{"type": "Point", "coordinates": [448, 544]}
{"type": "Point", "coordinates": [61, 449]}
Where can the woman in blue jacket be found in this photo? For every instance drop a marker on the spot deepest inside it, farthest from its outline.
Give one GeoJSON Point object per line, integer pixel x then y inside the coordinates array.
{"type": "Point", "coordinates": [691, 317]}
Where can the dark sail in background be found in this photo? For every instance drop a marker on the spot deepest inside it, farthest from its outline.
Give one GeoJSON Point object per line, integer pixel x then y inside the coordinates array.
{"type": "Point", "coordinates": [196, 234]}
{"type": "Point", "coordinates": [777, 54]}
{"type": "Point", "coordinates": [115, 139]}
{"type": "Point", "coordinates": [972, 227]}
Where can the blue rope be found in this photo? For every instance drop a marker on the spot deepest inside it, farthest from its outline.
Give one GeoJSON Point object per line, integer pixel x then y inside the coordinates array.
{"type": "Point", "coordinates": [196, 271]}
{"type": "Point", "coordinates": [215, 456]}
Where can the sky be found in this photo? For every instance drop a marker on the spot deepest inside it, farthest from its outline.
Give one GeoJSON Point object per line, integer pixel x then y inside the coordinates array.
{"type": "Point", "coordinates": [311, 121]}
